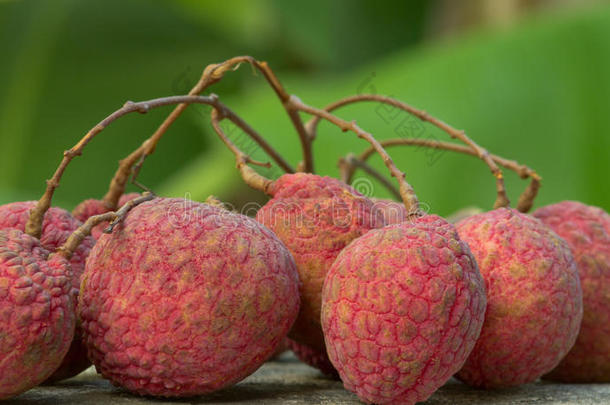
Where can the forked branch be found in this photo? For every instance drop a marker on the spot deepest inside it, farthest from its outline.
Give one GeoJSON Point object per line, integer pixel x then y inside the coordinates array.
{"type": "Point", "coordinates": [249, 175]}
{"type": "Point", "coordinates": [131, 165]}
{"type": "Point", "coordinates": [34, 224]}
{"type": "Point", "coordinates": [501, 199]}
{"type": "Point", "coordinates": [351, 163]}
{"type": "Point", "coordinates": [407, 193]}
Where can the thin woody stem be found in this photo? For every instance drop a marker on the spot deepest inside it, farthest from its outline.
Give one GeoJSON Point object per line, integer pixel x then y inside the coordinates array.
{"type": "Point", "coordinates": [76, 238]}
{"type": "Point", "coordinates": [350, 162]}
{"type": "Point", "coordinates": [249, 175]}
{"type": "Point", "coordinates": [525, 200]}
{"type": "Point", "coordinates": [34, 224]}
{"type": "Point", "coordinates": [501, 199]}
{"type": "Point", "coordinates": [131, 165]}
{"type": "Point", "coordinates": [406, 191]}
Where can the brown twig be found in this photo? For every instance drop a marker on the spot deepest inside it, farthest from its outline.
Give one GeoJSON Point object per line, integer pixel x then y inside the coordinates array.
{"type": "Point", "coordinates": [525, 200]}
{"type": "Point", "coordinates": [501, 199]}
{"type": "Point", "coordinates": [406, 191]}
{"type": "Point", "coordinates": [131, 165]}
{"type": "Point", "coordinates": [34, 224]}
{"type": "Point", "coordinates": [350, 162]}
{"type": "Point", "coordinates": [250, 176]}
{"type": "Point", "coordinates": [76, 238]}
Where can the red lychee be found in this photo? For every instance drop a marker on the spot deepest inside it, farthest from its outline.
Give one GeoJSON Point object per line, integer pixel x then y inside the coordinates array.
{"type": "Point", "coordinates": [402, 308]}
{"type": "Point", "coordinates": [37, 317]}
{"type": "Point", "coordinates": [315, 217]}
{"type": "Point", "coordinates": [185, 298]}
{"type": "Point", "coordinates": [58, 224]}
{"type": "Point", "coordinates": [91, 207]}
{"type": "Point", "coordinates": [534, 299]}
{"type": "Point", "coordinates": [586, 229]}
{"type": "Point", "coordinates": [314, 358]}
{"type": "Point", "coordinates": [393, 212]}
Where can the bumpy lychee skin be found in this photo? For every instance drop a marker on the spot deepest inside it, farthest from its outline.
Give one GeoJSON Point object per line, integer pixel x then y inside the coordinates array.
{"type": "Point", "coordinates": [91, 207]}
{"type": "Point", "coordinates": [314, 358]}
{"type": "Point", "coordinates": [58, 225]}
{"type": "Point", "coordinates": [36, 312]}
{"type": "Point", "coordinates": [315, 217]}
{"type": "Point", "coordinates": [402, 308]}
{"type": "Point", "coordinates": [586, 229]}
{"type": "Point", "coordinates": [534, 299]}
{"type": "Point", "coordinates": [186, 298]}
{"type": "Point", "coordinates": [393, 212]}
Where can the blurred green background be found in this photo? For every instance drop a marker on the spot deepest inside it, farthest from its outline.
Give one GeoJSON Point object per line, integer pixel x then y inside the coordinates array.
{"type": "Point", "coordinates": [529, 80]}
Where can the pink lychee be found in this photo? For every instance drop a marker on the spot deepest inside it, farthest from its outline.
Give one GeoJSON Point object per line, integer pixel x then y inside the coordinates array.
{"type": "Point", "coordinates": [91, 207]}
{"type": "Point", "coordinates": [393, 212]}
{"type": "Point", "coordinates": [402, 308]}
{"type": "Point", "coordinates": [314, 358]}
{"type": "Point", "coordinates": [315, 217]}
{"type": "Point", "coordinates": [58, 225]}
{"type": "Point", "coordinates": [586, 229]}
{"type": "Point", "coordinates": [185, 298]}
{"type": "Point", "coordinates": [534, 299]}
{"type": "Point", "coordinates": [36, 312]}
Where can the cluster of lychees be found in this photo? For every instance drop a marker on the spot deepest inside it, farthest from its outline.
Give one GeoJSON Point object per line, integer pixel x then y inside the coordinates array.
{"type": "Point", "coordinates": [171, 297]}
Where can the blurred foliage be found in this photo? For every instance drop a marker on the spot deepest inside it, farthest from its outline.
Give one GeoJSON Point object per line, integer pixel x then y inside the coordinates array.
{"type": "Point", "coordinates": [537, 93]}
{"type": "Point", "coordinates": [66, 64]}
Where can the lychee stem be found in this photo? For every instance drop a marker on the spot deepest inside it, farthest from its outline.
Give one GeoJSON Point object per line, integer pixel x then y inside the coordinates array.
{"type": "Point", "coordinates": [77, 237]}
{"type": "Point", "coordinates": [349, 164]}
{"type": "Point", "coordinates": [131, 165]}
{"type": "Point", "coordinates": [406, 191]}
{"type": "Point", "coordinates": [249, 175]}
{"type": "Point", "coordinates": [501, 199]}
{"type": "Point", "coordinates": [34, 225]}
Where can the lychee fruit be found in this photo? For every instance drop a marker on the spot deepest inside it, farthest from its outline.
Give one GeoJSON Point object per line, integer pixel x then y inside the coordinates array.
{"type": "Point", "coordinates": [393, 212]}
{"type": "Point", "coordinates": [185, 298]}
{"type": "Point", "coordinates": [315, 217]}
{"type": "Point", "coordinates": [58, 225]}
{"type": "Point", "coordinates": [314, 358]}
{"type": "Point", "coordinates": [534, 298]}
{"type": "Point", "coordinates": [402, 307]}
{"type": "Point", "coordinates": [37, 316]}
{"type": "Point", "coordinates": [91, 207]}
{"type": "Point", "coordinates": [586, 229]}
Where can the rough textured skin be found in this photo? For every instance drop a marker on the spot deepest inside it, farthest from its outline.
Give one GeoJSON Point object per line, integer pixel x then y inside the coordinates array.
{"type": "Point", "coordinates": [587, 231]}
{"type": "Point", "coordinates": [402, 308]}
{"type": "Point", "coordinates": [186, 298]}
{"type": "Point", "coordinates": [36, 312]}
{"type": "Point", "coordinates": [58, 225]}
{"type": "Point", "coordinates": [91, 207]}
{"type": "Point", "coordinates": [314, 358]}
{"type": "Point", "coordinates": [534, 299]}
{"type": "Point", "coordinates": [315, 217]}
{"type": "Point", "coordinates": [393, 212]}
